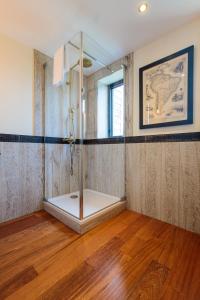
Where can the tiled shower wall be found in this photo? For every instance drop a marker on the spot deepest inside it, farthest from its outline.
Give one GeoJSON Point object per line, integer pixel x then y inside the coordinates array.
{"type": "Point", "coordinates": [51, 115]}
{"type": "Point", "coordinates": [58, 180]}
{"type": "Point", "coordinates": [106, 169]}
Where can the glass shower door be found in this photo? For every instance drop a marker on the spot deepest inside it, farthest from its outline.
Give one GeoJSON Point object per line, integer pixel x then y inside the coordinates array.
{"type": "Point", "coordinates": [104, 130]}
{"type": "Point", "coordinates": [63, 142]}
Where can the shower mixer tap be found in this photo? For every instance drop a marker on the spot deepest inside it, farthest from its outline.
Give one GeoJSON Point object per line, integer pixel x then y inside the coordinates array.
{"type": "Point", "coordinates": [69, 139]}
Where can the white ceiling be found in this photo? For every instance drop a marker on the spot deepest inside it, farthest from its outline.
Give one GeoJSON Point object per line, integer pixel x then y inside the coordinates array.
{"type": "Point", "coordinates": [114, 24]}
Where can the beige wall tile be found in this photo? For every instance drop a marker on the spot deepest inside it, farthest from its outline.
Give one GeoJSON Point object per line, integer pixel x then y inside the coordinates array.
{"type": "Point", "coordinates": [21, 179]}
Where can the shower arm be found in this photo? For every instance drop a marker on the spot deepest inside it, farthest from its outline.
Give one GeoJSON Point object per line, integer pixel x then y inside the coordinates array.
{"type": "Point", "coordinates": [74, 66]}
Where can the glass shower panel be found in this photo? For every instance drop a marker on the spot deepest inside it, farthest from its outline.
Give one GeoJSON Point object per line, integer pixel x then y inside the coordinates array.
{"type": "Point", "coordinates": [104, 155]}
{"type": "Point", "coordinates": [62, 130]}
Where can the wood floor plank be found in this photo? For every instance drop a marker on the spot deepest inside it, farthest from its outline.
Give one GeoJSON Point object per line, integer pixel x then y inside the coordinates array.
{"type": "Point", "coordinates": [58, 266]}
{"type": "Point", "coordinates": [130, 256]}
{"type": "Point", "coordinates": [175, 243]}
{"type": "Point", "coordinates": [172, 294]}
{"type": "Point", "coordinates": [71, 285]}
{"type": "Point", "coordinates": [19, 225]}
{"type": "Point", "coordinates": [33, 253]}
{"type": "Point", "coordinates": [186, 272]}
{"type": "Point", "coordinates": [121, 284]}
{"type": "Point", "coordinates": [19, 240]}
{"type": "Point", "coordinates": [19, 280]}
{"type": "Point", "coordinates": [105, 254]}
{"type": "Point", "coordinates": [153, 229]}
{"type": "Point", "coordinates": [134, 226]}
{"type": "Point", "coordinates": [80, 283]}
{"type": "Point", "coordinates": [150, 285]}
{"type": "Point", "coordinates": [89, 243]}
{"type": "Point", "coordinates": [33, 249]}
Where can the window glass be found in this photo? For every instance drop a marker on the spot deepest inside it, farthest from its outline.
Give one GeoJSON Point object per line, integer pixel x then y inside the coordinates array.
{"type": "Point", "coordinates": [116, 107]}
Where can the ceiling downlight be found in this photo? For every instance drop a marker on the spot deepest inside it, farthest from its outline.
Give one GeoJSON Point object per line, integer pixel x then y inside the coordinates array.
{"type": "Point", "coordinates": [143, 8]}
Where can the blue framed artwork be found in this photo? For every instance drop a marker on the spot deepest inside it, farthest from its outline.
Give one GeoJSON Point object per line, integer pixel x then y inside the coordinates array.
{"type": "Point", "coordinates": [166, 91]}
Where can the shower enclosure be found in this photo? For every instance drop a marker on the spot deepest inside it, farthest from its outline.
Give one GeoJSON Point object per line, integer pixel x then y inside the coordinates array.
{"type": "Point", "coordinates": [84, 160]}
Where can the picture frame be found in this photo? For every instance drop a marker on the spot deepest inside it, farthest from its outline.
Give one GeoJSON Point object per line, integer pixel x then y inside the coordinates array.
{"type": "Point", "coordinates": [166, 91]}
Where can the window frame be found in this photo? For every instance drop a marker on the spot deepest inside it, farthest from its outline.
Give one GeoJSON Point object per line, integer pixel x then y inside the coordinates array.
{"type": "Point", "coordinates": [111, 87]}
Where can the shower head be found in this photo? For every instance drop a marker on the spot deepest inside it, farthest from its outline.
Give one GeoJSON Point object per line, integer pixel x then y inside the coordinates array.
{"type": "Point", "coordinates": [87, 63]}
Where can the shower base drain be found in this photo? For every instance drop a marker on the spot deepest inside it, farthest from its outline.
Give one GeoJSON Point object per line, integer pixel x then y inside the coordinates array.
{"type": "Point", "coordinates": [73, 196]}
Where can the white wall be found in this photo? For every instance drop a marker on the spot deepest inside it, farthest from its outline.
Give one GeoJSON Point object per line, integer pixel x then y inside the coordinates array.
{"type": "Point", "coordinates": [16, 73]}
{"type": "Point", "coordinates": [183, 37]}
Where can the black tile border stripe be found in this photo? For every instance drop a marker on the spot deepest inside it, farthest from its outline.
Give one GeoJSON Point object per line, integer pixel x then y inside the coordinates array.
{"type": "Point", "coordinates": [178, 137]}
{"type": "Point", "coordinates": [53, 140]}
{"type": "Point", "coordinates": [15, 138]}
{"type": "Point", "coordinates": [115, 140]}
{"type": "Point", "coordinates": [164, 138]}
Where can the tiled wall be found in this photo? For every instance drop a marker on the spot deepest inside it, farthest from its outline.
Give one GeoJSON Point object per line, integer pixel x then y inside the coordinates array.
{"type": "Point", "coordinates": [21, 179]}
{"type": "Point", "coordinates": [106, 169]}
{"type": "Point", "coordinates": [163, 181]}
{"type": "Point", "coordinates": [58, 180]}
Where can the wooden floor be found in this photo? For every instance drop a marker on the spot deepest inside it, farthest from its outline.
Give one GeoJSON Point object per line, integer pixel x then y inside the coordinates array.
{"type": "Point", "coordinates": [128, 257]}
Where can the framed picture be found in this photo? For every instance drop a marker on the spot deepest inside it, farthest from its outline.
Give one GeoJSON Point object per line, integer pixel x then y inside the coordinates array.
{"type": "Point", "coordinates": [166, 91]}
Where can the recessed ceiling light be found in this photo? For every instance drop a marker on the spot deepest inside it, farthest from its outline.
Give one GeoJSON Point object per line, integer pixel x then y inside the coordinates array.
{"type": "Point", "coordinates": [143, 7]}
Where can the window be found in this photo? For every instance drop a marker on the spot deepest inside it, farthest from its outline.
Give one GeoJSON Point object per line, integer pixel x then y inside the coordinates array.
{"type": "Point", "coordinates": [116, 109]}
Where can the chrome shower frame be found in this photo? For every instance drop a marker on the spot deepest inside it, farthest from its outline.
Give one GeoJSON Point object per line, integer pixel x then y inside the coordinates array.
{"type": "Point", "coordinates": [81, 127]}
